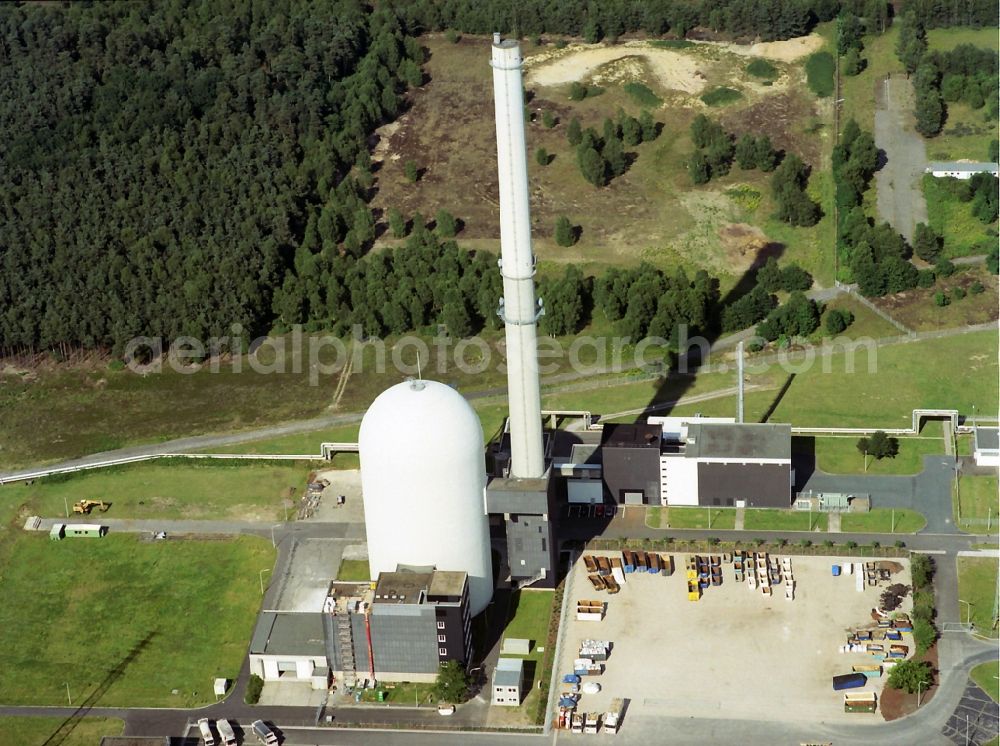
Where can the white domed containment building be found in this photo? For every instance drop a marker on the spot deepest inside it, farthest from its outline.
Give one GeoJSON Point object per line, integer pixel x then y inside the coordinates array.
{"type": "Point", "coordinates": [423, 476]}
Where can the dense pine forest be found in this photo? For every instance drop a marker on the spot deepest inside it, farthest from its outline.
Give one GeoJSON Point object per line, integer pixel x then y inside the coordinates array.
{"type": "Point", "coordinates": [177, 167]}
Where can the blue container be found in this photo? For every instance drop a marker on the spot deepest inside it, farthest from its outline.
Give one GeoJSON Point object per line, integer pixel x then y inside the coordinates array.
{"type": "Point", "coordinates": [849, 681]}
{"type": "Point", "coordinates": [835, 569]}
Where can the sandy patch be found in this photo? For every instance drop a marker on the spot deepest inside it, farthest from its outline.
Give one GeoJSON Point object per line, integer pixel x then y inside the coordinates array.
{"type": "Point", "coordinates": [673, 70]}
{"type": "Point", "coordinates": [789, 50]}
{"type": "Point", "coordinates": [746, 245]}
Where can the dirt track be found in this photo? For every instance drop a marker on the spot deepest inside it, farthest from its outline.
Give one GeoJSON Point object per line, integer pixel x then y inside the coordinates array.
{"type": "Point", "coordinates": [900, 196]}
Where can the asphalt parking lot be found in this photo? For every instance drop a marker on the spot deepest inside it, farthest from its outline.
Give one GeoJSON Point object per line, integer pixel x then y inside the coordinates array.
{"type": "Point", "coordinates": [733, 654]}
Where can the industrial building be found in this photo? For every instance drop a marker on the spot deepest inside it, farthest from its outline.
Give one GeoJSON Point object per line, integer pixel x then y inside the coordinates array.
{"type": "Point", "coordinates": [423, 472]}
{"type": "Point", "coordinates": [695, 461]}
{"type": "Point", "coordinates": [290, 646]}
{"type": "Point", "coordinates": [508, 679]}
{"type": "Point", "coordinates": [960, 169]}
{"type": "Point", "coordinates": [402, 629]}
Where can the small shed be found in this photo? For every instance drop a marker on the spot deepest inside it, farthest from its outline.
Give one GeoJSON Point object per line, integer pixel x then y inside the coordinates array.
{"type": "Point", "coordinates": [89, 530]}
{"type": "Point", "coordinates": [508, 678]}
{"type": "Point", "coordinates": [516, 646]}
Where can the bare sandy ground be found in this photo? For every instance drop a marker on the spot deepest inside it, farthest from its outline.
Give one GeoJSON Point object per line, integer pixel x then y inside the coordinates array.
{"type": "Point", "coordinates": [675, 69]}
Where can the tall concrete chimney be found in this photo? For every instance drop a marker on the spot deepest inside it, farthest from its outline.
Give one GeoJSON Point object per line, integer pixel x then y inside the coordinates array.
{"type": "Point", "coordinates": [518, 308]}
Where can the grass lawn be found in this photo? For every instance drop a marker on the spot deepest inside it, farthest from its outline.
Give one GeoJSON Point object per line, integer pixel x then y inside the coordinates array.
{"type": "Point", "coordinates": [401, 693]}
{"type": "Point", "coordinates": [866, 322]}
{"type": "Point", "coordinates": [945, 39]}
{"type": "Point", "coordinates": [35, 730]}
{"type": "Point", "coordinates": [151, 617]}
{"type": "Point", "coordinates": [529, 616]}
{"type": "Point", "coordinates": [721, 518]}
{"type": "Point", "coordinates": [354, 571]}
{"type": "Point", "coordinates": [763, 519]}
{"type": "Point", "coordinates": [905, 376]}
{"type": "Point", "coordinates": [883, 521]}
{"type": "Point", "coordinates": [964, 234]}
{"type": "Point", "coordinates": [977, 584]}
{"type": "Point", "coordinates": [840, 455]}
{"type": "Point", "coordinates": [978, 502]}
{"type": "Point", "coordinates": [985, 674]}
{"type": "Point", "coordinates": [168, 489]}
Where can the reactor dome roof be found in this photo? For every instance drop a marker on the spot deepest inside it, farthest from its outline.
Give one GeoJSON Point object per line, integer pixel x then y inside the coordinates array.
{"type": "Point", "coordinates": [423, 411]}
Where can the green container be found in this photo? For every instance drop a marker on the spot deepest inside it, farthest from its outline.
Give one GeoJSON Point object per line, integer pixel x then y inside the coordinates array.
{"type": "Point", "coordinates": [381, 696]}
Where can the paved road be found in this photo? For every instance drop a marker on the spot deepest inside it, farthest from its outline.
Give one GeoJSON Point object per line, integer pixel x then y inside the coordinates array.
{"type": "Point", "coordinates": [900, 196]}
{"type": "Point", "coordinates": [928, 492]}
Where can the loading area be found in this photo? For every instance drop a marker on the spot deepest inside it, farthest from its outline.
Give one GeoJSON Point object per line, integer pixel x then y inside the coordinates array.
{"type": "Point", "coordinates": [724, 649]}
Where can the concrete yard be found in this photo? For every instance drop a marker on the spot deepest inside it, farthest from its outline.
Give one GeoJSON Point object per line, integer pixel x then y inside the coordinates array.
{"type": "Point", "coordinates": [733, 654]}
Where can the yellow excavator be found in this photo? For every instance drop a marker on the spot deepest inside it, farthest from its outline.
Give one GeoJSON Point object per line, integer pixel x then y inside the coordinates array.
{"type": "Point", "coordinates": [85, 506]}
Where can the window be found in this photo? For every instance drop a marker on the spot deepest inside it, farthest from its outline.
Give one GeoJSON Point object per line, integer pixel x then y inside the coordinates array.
{"type": "Point", "coordinates": [440, 625]}
{"type": "Point", "coordinates": [544, 545]}
{"type": "Point", "coordinates": [442, 638]}
{"type": "Point", "coordinates": [442, 651]}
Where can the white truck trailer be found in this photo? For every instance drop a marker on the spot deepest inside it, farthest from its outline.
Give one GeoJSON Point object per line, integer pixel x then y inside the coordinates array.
{"type": "Point", "coordinates": [226, 733]}
{"type": "Point", "coordinates": [205, 728]}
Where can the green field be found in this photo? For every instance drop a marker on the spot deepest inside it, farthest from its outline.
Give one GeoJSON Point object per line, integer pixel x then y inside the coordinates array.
{"type": "Point", "coordinates": [883, 521]}
{"type": "Point", "coordinates": [38, 731]}
{"type": "Point", "coordinates": [354, 571]}
{"type": "Point", "coordinates": [977, 584]}
{"type": "Point", "coordinates": [721, 518]}
{"type": "Point", "coordinates": [945, 39]}
{"type": "Point", "coordinates": [125, 621]}
{"type": "Point", "coordinates": [866, 322]}
{"type": "Point", "coordinates": [819, 73]}
{"type": "Point", "coordinates": [401, 693]}
{"type": "Point", "coordinates": [986, 675]}
{"type": "Point", "coordinates": [840, 455]}
{"type": "Point", "coordinates": [784, 520]}
{"type": "Point", "coordinates": [168, 489]}
{"type": "Point", "coordinates": [977, 499]}
{"type": "Point", "coordinates": [529, 615]}
{"type": "Point", "coordinates": [963, 232]}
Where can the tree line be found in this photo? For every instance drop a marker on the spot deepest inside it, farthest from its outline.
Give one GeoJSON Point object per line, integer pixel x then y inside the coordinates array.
{"type": "Point", "coordinates": [965, 73]}
{"type": "Point", "coordinates": [165, 166]}
{"type": "Point", "coordinates": [594, 21]}
{"type": "Point", "coordinates": [601, 159]}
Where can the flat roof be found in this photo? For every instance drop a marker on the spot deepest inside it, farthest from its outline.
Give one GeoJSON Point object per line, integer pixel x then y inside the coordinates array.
{"type": "Point", "coordinates": [289, 633]}
{"type": "Point", "coordinates": [970, 166]}
{"type": "Point", "coordinates": [401, 587]}
{"type": "Point", "coordinates": [446, 583]}
{"type": "Point", "coordinates": [739, 440]}
{"type": "Point", "coordinates": [508, 672]}
{"type": "Point", "coordinates": [617, 435]}
{"type": "Point", "coordinates": [987, 438]}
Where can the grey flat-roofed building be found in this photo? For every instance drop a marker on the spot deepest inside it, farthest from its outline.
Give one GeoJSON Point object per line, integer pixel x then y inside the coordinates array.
{"type": "Point", "coordinates": [508, 678]}
{"type": "Point", "coordinates": [986, 446]}
{"type": "Point", "coordinates": [418, 621]}
{"type": "Point", "coordinates": [755, 442]}
{"type": "Point", "coordinates": [290, 646]}
{"type": "Point", "coordinates": [630, 456]}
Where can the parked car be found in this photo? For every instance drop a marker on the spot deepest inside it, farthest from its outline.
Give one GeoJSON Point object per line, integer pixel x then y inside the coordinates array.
{"type": "Point", "coordinates": [264, 734]}
{"type": "Point", "coordinates": [446, 709]}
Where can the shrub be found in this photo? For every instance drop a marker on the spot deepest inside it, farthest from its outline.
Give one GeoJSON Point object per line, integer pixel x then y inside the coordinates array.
{"type": "Point", "coordinates": [925, 278]}
{"type": "Point", "coordinates": [940, 299]}
{"type": "Point", "coordinates": [805, 543]}
{"type": "Point", "coordinates": [921, 570]}
{"type": "Point", "coordinates": [410, 169]}
{"type": "Point", "coordinates": [944, 268]}
{"type": "Point", "coordinates": [452, 36]}
{"type": "Point", "coordinates": [899, 544]}
{"type": "Point", "coordinates": [851, 545]}
{"type": "Point", "coordinates": [781, 542]}
{"type": "Point", "coordinates": [565, 233]}
{"type": "Point", "coordinates": [976, 288]}
{"type": "Point", "coordinates": [819, 73]}
{"type": "Point", "coordinates": [759, 542]}
{"type": "Point", "coordinates": [827, 543]}
{"type": "Point", "coordinates": [924, 635]}
{"type": "Point", "coordinates": [577, 91]}
{"type": "Point", "coordinates": [254, 687]}
{"type": "Point", "coordinates": [445, 224]}
{"type": "Point", "coordinates": [761, 68]}
{"type": "Point", "coordinates": [549, 119]}
{"type": "Point", "coordinates": [642, 94]}
{"type": "Point", "coordinates": [542, 157]}
{"type": "Point", "coordinates": [958, 293]}
{"type": "Point", "coordinates": [911, 675]}
{"type": "Point", "coordinates": [721, 96]}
